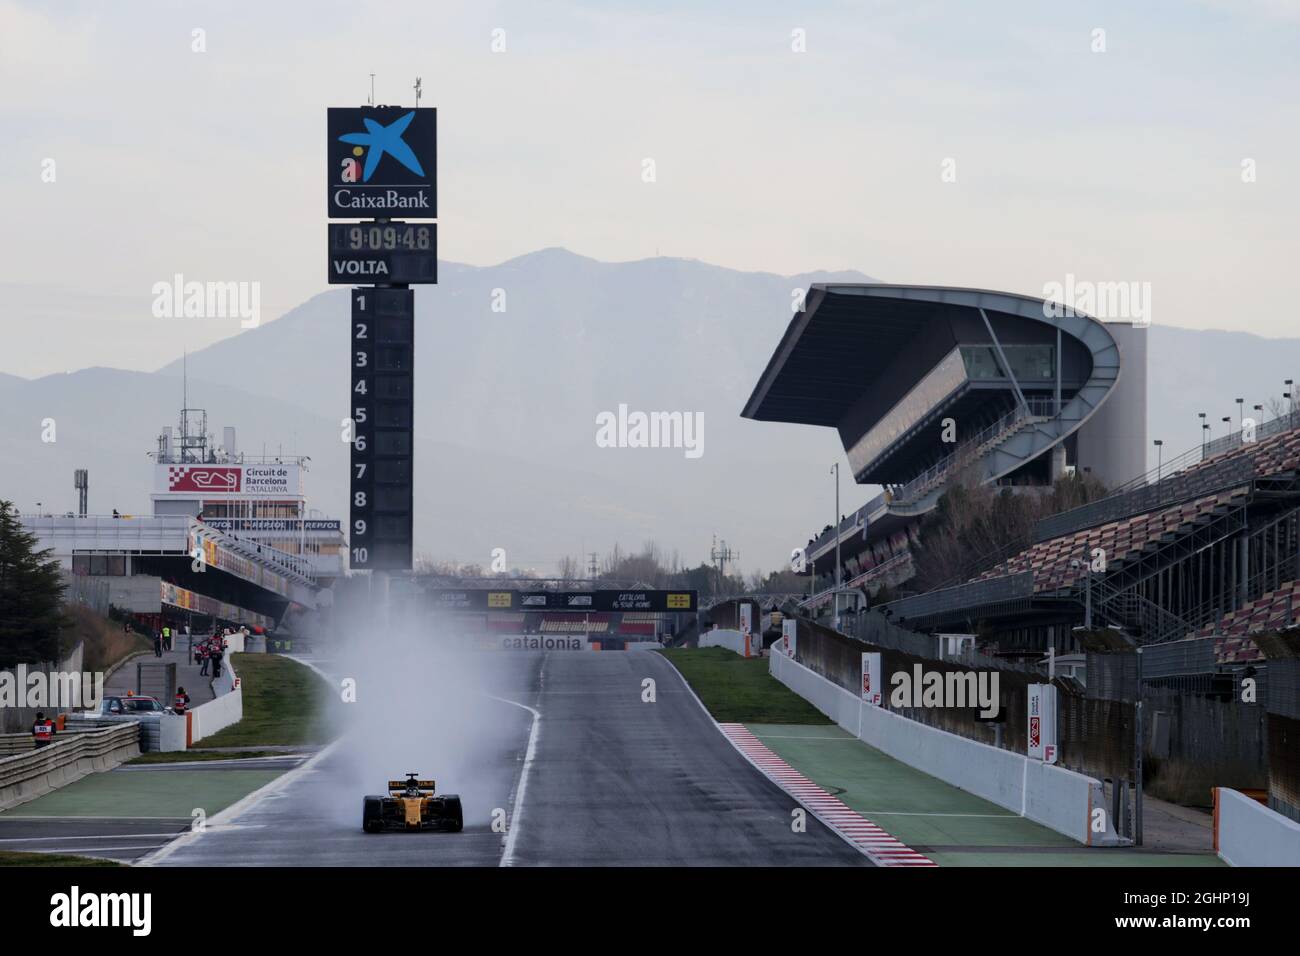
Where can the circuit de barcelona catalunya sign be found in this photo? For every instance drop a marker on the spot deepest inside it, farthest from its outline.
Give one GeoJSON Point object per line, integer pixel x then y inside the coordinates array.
{"type": "Point", "coordinates": [382, 162]}
{"type": "Point", "coordinates": [219, 481]}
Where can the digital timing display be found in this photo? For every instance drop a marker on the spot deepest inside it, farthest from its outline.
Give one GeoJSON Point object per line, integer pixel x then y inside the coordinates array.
{"type": "Point", "coordinates": [381, 237]}
{"type": "Point", "coordinates": [401, 253]}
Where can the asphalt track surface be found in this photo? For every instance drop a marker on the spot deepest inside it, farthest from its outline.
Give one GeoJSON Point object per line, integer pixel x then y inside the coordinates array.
{"type": "Point", "coordinates": [614, 781]}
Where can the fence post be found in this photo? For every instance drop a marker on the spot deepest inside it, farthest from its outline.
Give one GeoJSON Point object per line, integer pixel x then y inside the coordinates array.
{"type": "Point", "coordinates": [1138, 746]}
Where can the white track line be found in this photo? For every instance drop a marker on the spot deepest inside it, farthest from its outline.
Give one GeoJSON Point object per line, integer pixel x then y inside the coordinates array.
{"type": "Point", "coordinates": [88, 836]}
{"type": "Point", "coordinates": [512, 830]}
{"type": "Point", "coordinates": [905, 813]}
{"type": "Point", "coordinates": [240, 806]}
{"type": "Point", "coordinates": [85, 850]}
{"type": "Point", "coordinates": [861, 834]}
{"type": "Point", "coordinates": [254, 798]}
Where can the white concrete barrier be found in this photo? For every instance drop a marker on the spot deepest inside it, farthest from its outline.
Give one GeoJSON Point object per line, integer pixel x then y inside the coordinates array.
{"type": "Point", "coordinates": [721, 637]}
{"type": "Point", "coordinates": [171, 732]}
{"type": "Point", "coordinates": [732, 641]}
{"type": "Point", "coordinates": [228, 707]}
{"type": "Point", "coordinates": [1247, 833]}
{"type": "Point", "coordinates": [1057, 798]}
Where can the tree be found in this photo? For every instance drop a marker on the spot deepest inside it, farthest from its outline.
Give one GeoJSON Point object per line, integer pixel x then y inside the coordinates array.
{"type": "Point", "coordinates": [975, 526]}
{"type": "Point", "coordinates": [783, 581]}
{"type": "Point", "coordinates": [31, 595]}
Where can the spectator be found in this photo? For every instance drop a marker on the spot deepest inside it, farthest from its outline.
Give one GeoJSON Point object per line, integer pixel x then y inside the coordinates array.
{"type": "Point", "coordinates": [181, 701]}
{"type": "Point", "coordinates": [43, 731]}
{"type": "Point", "coordinates": [157, 643]}
{"type": "Point", "coordinates": [217, 653]}
{"type": "Point", "coordinates": [205, 656]}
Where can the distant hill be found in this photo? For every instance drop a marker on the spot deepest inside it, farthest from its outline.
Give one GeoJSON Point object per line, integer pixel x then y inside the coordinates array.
{"type": "Point", "coordinates": [506, 407]}
{"type": "Point", "coordinates": [1194, 370]}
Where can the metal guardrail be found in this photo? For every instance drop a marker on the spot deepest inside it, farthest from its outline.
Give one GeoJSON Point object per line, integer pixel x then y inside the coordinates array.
{"type": "Point", "coordinates": [1035, 408]}
{"type": "Point", "coordinates": [822, 596]}
{"type": "Point", "coordinates": [973, 448]}
{"type": "Point", "coordinates": [148, 724]}
{"type": "Point", "coordinates": [1179, 658]}
{"type": "Point", "coordinates": [157, 534]}
{"type": "Point", "coordinates": [973, 594]}
{"type": "Point", "coordinates": [1171, 491]}
{"type": "Point", "coordinates": [1171, 482]}
{"type": "Point", "coordinates": [25, 776]}
{"type": "Point", "coordinates": [293, 566]}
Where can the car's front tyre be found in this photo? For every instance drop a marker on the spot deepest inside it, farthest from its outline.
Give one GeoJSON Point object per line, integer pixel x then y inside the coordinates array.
{"type": "Point", "coordinates": [372, 814]}
{"type": "Point", "coordinates": [453, 820]}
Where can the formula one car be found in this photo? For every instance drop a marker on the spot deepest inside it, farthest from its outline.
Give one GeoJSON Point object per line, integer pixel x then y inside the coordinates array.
{"type": "Point", "coordinates": [411, 805]}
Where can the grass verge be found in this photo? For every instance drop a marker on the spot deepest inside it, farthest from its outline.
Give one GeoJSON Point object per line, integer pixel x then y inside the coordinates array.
{"type": "Point", "coordinates": [284, 704]}
{"type": "Point", "coordinates": [105, 641]}
{"type": "Point", "coordinates": [740, 690]}
{"type": "Point", "coordinates": [189, 756]}
{"type": "Point", "coordinates": [12, 858]}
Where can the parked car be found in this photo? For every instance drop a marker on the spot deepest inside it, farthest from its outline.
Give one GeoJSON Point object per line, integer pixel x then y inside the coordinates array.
{"type": "Point", "coordinates": [130, 706]}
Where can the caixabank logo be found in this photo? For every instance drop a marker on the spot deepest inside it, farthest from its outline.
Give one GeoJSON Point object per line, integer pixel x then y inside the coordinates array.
{"type": "Point", "coordinates": [382, 161]}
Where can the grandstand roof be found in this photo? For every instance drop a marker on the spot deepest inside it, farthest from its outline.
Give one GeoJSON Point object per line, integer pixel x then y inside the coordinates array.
{"type": "Point", "coordinates": [848, 335]}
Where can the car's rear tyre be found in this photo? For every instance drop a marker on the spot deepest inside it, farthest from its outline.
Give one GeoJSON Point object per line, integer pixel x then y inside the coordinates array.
{"type": "Point", "coordinates": [454, 822]}
{"type": "Point", "coordinates": [372, 814]}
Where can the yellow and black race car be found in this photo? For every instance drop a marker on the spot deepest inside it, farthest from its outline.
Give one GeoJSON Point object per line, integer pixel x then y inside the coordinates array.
{"type": "Point", "coordinates": [411, 805]}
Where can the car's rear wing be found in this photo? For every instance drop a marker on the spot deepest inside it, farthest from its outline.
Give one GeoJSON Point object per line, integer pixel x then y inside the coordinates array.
{"type": "Point", "coordinates": [403, 784]}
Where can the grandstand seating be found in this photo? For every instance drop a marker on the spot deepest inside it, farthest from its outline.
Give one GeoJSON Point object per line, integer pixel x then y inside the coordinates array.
{"type": "Point", "coordinates": [1120, 540]}
{"type": "Point", "coordinates": [1276, 609]}
{"type": "Point", "coordinates": [505, 623]}
{"type": "Point", "coordinates": [637, 623]}
{"type": "Point", "coordinates": [1272, 456]}
{"type": "Point", "coordinates": [1236, 650]}
{"type": "Point", "coordinates": [592, 623]}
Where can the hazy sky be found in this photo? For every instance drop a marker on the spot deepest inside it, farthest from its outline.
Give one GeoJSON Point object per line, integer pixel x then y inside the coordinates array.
{"type": "Point", "coordinates": [1116, 165]}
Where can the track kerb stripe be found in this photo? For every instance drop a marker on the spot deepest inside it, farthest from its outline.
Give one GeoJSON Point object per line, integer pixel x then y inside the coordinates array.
{"type": "Point", "coordinates": [881, 847]}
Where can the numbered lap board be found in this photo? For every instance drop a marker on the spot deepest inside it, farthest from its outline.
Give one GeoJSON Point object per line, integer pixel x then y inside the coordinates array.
{"type": "Point", "coordinates": [383, 356]}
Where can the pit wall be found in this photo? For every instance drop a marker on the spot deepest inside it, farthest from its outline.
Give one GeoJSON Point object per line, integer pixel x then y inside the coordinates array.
{"type": "Point", "coordinates": [1247, 833]}
{"type": "Point", "coordinates": [1059, 799]}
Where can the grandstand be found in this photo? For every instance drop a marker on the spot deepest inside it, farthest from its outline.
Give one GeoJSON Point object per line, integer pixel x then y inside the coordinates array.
{"type": "Point", "coordinates": [1208, 549]}
{"type": "Point", "coordinates": [928, 385]}
{"type": "Point", "coordinates": [1171, 588]}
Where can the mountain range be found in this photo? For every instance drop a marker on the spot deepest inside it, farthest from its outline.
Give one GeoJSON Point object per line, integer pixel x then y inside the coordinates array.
{"type": "Point", "coordinates": [515, 362]}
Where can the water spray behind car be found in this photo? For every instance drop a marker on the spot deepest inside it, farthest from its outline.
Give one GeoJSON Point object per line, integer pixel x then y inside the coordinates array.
{"type": "Point", "coordinates": [423, 703]}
